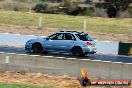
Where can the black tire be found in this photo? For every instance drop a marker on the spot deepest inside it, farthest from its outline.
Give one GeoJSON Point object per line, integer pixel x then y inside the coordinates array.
{"type": "Point", "coordinates": [37, 48]}
{"type": "Point", "coordinates": [77, 51]}
{"type": "Point", "coordinates": [45, 52]}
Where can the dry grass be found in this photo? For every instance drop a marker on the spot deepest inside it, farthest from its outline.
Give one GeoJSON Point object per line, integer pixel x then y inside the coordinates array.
{"type": "Point", "coordinates": [4, 85]}
{"type": "Point", "coordinates": [45, 80]}
{"type": "Point", "coordinates": [94, 24]}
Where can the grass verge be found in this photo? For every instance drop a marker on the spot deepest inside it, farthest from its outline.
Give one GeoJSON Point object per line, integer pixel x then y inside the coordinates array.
{"type": "Point", "coordinates": [3, 85]}
{"type": "Point", "coordinates": [94, 24]}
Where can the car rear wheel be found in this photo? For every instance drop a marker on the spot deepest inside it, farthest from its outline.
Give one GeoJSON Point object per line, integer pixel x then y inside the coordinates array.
{"type": "Point", "coordinates": [77, 51]}
{"type": "Point", "coordinates": [37, 48]}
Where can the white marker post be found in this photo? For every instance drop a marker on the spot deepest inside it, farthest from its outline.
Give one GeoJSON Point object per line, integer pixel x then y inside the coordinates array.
{"type": "Point", "coordinates": [85, 25]}
{"type": "Point", "coordinates": [30, 9]}
{"type": "Point", "coordinates": [7, 60]}
{"type": "Point", "coordinates": [40, 22]}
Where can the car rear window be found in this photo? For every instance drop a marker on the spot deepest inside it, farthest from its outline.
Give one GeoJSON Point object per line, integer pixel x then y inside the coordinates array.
{"type": "Point", "coordinates": [84, 37]}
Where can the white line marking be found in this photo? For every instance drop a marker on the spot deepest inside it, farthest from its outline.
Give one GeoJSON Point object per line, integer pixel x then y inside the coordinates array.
{"type": "Point", "coordinates": [96, 60]}
{"type": "Point", "coordinates": [59, 57]}
{"type": "Point", "coordinates": [71, 58]}
{"type": "Point", "coordinates": [34, 55]}
{"type": "Point", "coordinates": [2, 52]}
{"type": "Point", "coordinates": [107, 61]}
{"type": "Point", "coordinates": [4, 33]}
{"type": "Point", "coordinates": [17, 34]}
{"type": "Point", "coordinates": [31, 35]}
{"type": "Point", "coordinates": [10, 53]}
{"type": "Point", "coordinates": [21, 34]}
{"type": "Point", "coordinates": [129, 63]}
{"type": "Point", "coordinates": [84, 59]}
{"type": "Point", "coordinates": [23, 54]}
{"type": "Point", "coordinates": [48, 56]}
{"type": "Point", "coordinates": [118, 62]}
{"type": "Point", "coordinates": [107, 41]}
{"type": "Point", "coordinates": [43, 36]}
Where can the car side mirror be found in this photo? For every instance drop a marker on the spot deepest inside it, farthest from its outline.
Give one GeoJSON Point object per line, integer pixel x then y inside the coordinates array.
{"type": "Point", "coordinates": [47, 38]}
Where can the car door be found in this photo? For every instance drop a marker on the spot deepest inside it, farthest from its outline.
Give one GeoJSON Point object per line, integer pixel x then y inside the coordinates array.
{"type": "Point", "coordinates": [68, 41]}
{"type": "Point", "coordinates": [65, 42]}
{"type": "Point", "coordinates": [57, 42]}
{"type": "Point", "coordinates": [60, 42]}
{"type": "Point", "coordinates": [54, 42]}
{"type": "Point", "coordinates": [49, 43]}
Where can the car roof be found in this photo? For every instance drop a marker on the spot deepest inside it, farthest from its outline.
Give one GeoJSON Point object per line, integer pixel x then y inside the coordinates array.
{"type": "Point", "coordinates": [71, 32]}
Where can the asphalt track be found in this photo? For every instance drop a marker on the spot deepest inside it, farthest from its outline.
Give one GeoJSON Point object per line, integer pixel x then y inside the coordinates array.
{"type": "Point", "coordinates": [95, 57]}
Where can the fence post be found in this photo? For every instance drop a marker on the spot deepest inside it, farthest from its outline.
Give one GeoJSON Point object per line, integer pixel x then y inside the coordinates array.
{"type": "Point", "coordinates": [85, 25]}
{"type": "Point", "coordinates": [30, 9]}
{"type": "Point", "coordinates": [7, 59]}
{"type": "Point", "coordinates": [40, 22]}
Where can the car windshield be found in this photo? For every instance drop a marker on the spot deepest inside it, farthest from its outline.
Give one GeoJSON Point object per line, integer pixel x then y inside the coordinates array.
{"type": "Point", "coordinates": [84, 37]}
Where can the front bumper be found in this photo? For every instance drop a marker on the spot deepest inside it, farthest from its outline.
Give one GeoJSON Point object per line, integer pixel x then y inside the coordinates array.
{"type": "Point", "coordinates": [28, 47]}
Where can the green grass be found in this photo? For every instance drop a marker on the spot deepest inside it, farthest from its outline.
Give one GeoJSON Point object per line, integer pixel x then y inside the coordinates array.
{"type": "Point", "coordinates": [2, 85]}
{"type": "Point", "coordinates": [94, 24]}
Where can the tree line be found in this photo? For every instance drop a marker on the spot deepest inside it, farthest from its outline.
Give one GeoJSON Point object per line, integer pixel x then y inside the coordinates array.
{"type": "Point", "coordinates": [112, 7]}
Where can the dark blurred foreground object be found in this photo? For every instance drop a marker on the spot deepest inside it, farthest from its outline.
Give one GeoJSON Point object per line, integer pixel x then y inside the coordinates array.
{"type": "Point", "coordinates": [84, 81]}
{"type": "Point", "coordinates": [125, 48]}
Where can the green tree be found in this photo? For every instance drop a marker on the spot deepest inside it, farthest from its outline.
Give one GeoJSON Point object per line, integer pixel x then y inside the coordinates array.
{"type": "Point", "coordinates": [115, 6]}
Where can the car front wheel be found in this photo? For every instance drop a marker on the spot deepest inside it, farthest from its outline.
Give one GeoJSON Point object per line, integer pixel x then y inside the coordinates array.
{"type": "Point", "coordinates": [37, 48]}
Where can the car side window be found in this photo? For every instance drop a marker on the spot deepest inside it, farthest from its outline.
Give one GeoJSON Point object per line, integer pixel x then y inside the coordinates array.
{"type": "Point", "coordinates": [60, 37]}
{"type": "Point", "coordinates": [69, 37]}
{"type": "Point", "coordinates": [52, 36]}
{"type": "Point", "coordinates": [57, 36]}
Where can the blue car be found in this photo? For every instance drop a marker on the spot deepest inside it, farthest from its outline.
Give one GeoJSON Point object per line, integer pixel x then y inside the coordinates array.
{"type": "Point", "coordinates": [76, 43]}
